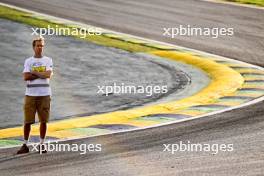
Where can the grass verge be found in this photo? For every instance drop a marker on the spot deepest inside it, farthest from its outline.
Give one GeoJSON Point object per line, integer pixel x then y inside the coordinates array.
{"type": "Point", "coordinates": [252, 2]}
{"type": "Point", "coordinates": [29, 19]}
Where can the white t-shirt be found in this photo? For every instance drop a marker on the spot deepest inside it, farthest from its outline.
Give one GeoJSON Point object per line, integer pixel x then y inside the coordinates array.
{"type": "Point", "coordinates": [38, 87]}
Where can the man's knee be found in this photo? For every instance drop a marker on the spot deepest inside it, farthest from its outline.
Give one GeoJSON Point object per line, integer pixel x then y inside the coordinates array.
{"type": "Point", "coordinates": [43, 125]}
{"type": "Point", "coordinates": [27, 124]}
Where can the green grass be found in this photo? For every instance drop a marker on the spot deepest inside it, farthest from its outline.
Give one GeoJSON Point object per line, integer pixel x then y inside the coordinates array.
{"type": "Point", "coordinates": [253, 2]}
{"type": "Point", "coordinates": [27, 18]}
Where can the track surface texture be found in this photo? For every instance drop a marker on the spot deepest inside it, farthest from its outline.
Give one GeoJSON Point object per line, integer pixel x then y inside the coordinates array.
{"type": "Point", "coordinates": [141, 152]}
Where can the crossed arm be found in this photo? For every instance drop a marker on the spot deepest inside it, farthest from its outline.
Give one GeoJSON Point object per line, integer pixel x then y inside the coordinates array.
{"type": "Point", "coordinates": [35, 75]}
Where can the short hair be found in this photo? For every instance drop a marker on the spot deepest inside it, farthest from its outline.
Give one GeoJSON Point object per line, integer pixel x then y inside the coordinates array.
{"type": "Point", "coordinates": [39, 38]}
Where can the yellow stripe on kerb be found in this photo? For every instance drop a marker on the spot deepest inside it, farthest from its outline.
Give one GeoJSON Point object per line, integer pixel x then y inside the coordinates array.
{"type": "Point", "coordinates": [224, 82]}
{"type": "Point", "coordinates": [224, 79]}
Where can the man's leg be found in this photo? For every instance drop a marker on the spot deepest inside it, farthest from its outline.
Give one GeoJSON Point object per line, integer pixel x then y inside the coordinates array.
{"type": "Point", "coordinates": [27, 128]}
{"type": "Point", "coordinates": [24, 148]}
{"type": "Point", "coordinates": [43, 108]}
{"type": "Point", "coordinates": [29, 118]}
{"type": "Point", "coordinates": [42, 131]}
{"type": "Point", "coordinates": [29, 115]}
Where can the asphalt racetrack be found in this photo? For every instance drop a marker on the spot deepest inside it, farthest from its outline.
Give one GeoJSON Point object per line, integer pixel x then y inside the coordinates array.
{"type": "Point", "coordinates": [141, 152]}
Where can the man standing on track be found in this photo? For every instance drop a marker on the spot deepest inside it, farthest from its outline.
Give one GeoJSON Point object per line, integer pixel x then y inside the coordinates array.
{"type": "Point", "coordinates": [37, 73]}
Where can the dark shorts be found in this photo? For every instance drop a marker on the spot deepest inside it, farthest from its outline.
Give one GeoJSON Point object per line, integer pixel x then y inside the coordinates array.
{"type": "Point", "coordinates": [40, 104]}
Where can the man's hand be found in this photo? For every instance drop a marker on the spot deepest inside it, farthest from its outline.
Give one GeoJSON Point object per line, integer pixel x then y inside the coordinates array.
{"type": "Point", "coordinates": [28, 76]}
{"type": "Point", "coordinates": [43, 75]}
